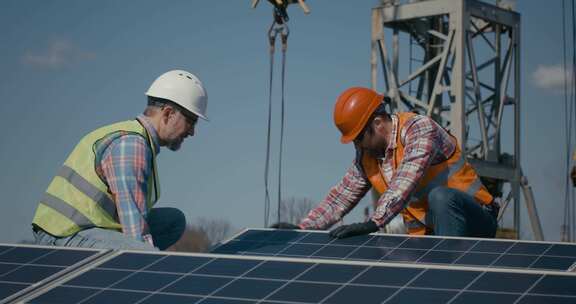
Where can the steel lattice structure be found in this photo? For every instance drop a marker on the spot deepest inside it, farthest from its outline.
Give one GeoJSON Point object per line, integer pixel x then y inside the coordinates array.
{"type": "Point", "coordinates": [467, 77]}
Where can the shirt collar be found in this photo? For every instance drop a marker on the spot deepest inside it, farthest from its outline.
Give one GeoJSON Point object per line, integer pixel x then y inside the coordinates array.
{"type": "Point", "coordinates": [393, 133]}
{"type": "Point", "coordinates": [151, 131]}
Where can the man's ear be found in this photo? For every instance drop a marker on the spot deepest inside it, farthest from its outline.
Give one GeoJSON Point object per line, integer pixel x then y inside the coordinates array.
{"type": "Point", "coordinates": [165, 113]}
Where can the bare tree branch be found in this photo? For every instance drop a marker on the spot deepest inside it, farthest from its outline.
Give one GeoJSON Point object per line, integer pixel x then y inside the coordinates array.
{"type": "Point", "coordinates": [294, 209]}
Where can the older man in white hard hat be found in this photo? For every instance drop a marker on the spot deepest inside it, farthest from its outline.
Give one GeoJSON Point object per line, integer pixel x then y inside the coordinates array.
{"type": "Point", "coordinates": [102, 196]}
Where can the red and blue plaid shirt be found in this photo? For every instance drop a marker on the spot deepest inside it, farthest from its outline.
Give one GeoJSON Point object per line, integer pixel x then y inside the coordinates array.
{"type": "Point", "coordinates": [124, 163]}
{"type": "Point", "coordinates": [426, 143]}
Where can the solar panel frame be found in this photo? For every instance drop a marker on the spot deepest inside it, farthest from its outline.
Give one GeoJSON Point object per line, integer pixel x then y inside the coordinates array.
{"type": "Point", "coordinates": [469, 252]}
{"type": "Point", "coordinates": [39, 257]}
{"type": "Point", "coordinates": [463, 285]}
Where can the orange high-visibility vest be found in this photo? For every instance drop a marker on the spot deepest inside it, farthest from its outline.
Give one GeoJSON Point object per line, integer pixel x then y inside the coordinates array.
{"type": "Point", "coordinates": [455, 173]}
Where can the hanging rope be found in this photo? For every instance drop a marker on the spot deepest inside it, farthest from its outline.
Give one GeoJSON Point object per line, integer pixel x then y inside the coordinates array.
{"type": "Point", "coordinates": [278, 27]}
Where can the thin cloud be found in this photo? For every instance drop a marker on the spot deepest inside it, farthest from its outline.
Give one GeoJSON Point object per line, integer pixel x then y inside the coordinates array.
{"type": "Point", "coordinates": [58, 54]}
{"type": "Point", "coordinates": [551, 77]}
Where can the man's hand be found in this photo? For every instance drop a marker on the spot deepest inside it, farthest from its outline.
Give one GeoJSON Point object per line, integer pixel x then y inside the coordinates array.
{"type": "Point", "coordinates": [354, 229]}
{"type": "Point", "coordinates": [283, 225]}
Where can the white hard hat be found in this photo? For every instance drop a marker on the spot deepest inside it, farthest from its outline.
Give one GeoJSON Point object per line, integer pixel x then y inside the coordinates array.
{"type": "Point", "coordinates": [182, 88]}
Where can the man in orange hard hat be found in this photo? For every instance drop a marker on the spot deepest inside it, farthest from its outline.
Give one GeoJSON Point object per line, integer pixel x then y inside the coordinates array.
{"type": "Point", "coordinates": [416, 167]}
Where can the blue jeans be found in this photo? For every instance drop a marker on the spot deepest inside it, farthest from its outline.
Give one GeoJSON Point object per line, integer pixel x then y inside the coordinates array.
{"type": "Point", "coordinates": [456, 213]}
{"type": "Point", "coordinates": [166, 226]}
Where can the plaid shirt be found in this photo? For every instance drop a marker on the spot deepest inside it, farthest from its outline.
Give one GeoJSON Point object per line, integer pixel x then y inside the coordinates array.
{"type": "Point", "coordinates": [124, 163]}
{"type": "Point", "coordinates": [425, 143]}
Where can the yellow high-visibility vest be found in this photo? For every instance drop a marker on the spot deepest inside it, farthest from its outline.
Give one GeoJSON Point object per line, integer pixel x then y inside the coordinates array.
{"type": "Point", "coordinates": [77, 198]}
{"type": "Point", "coordinates": [455, 173]}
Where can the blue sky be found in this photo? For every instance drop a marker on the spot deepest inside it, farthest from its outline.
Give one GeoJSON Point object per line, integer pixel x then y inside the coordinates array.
{"type": "Point", "coordinates": [71, 66]}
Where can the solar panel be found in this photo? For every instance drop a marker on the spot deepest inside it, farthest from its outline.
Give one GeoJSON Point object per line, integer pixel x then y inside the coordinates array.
{"type": "Point", "coordinates": [492, 253]}
{"type": "Point", "coordinates": [23, 267]}
{"type": "Point", "coordinates": [145, 278]}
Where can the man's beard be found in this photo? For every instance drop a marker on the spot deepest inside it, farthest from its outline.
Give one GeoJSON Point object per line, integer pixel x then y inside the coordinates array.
{"type": "Point", "coordinates": [174, 145]}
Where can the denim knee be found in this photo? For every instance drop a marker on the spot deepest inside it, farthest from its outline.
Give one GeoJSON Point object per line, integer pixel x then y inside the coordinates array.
{"type": "Point", "coordinates": [442, 198]}
{"type": "Point", "coordinates": [179, 220]}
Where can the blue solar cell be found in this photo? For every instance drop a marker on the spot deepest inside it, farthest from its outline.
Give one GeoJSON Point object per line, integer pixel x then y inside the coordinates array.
{"type": "Point", "coordinates": [553, 263]}
{"type": "Point", "coordinates": [235, 247]}
{"type": "Point", "coordinates": [562, 250]}
{"type": "Point", "coordinates": [531, 299]}
{"type": "Point", "coordinates": [278, 270]}
{"type": "Point", "coordinates": [303, 250]}
{"type": "Point", "coordinates": [455, 245]}
{"type": "Point", "coordinates": [556, 285]}
{"type": "Point", "coordinates": [23, 255]}
{"type": "Point", "coordinates": [477, 259]}
{"type": "Point", "coordinates": [445, 279]}
{"type": "Point", "coordinates": [483, 298]}
{"type": "Point", "coordinates": [528, 248]}
{"type": "Point", "coordinates": [303, 292]}
{"type": "Point", "coordinates": [131, 261]}
{"type": "Point", "coordinates": [352, 241]}
{"type": "Point", "coordinates": [249, 289]}
{"type": "Point", "coordinates": [331, 273]}
{"type": "Point", "coordinates": [420, 243]}
{"type": "Point", "coordinates": [63, 257]}
{"type": "Point", "coordinates": [24, 268]}
{"type": "Point", "coordinates": [115, 297]}
{"type": "Point", "coordinates": [504, 282]}
{"type": "Point", "coordinates": [440, 257]}
{"type": "Point", "coordinates": [334, 251]}
{"type": "Point", "coordinates": [316, 238]}
{"type": "Point", "coordinates": [4, 248]}
{"type": "Point", "coordinates": [492, 246]}
{"type": "Point", "coordinates": [404, 255]}
{"type": "Point", "coordinates": [5, 268]}
{"type": "Point", "coordinates": [64, 295]}
{"type": "Point", "coordinates": [230, 267]}
{"type": "Point", "coordinates": [361, 294]}
{"type": "Point", "coordinates": [172, 299]}
{"type": "Point", "coordinates": [369, 253]}
{"type": "Point", "coordinates": [99, 278]}
{"type": "Point", "coordinates": [226, 301]}
{"type": "Point", "coordinates": [197, 285]}
{"type": "Point", "coordinates": [422, 295]}
{"type": "Point", "coordinates": [385, 241]}
{"type": "Point", "coordinates": [30, 274]}
{"type": "Point", "coordinates": [256, 235]}
{"type": "Point", "coordinates": [390, 276]}
{"type": "Point", "coordinates": [267, 248]}
{"type": "Point", "coordinates": [146, 281]}
{"type": "Point", "coordinates": [284, 236]}
{"type": "Point", "coordinates": [178, 264]}
{"type": "Point", "coordinates": [513, 260]}
{"type": "Point", "coordinates": [8, 289]}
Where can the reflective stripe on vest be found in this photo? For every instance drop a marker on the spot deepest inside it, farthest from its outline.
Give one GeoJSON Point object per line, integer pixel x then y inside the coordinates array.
{"type": "Point", "coordinates": [89, 190]}
{"type": "Point", "coordinates": [77, 198]}
{"type": "Point", "coordinates": [68, 211]}
{"type": "Point", "coordinates": [454, 173]}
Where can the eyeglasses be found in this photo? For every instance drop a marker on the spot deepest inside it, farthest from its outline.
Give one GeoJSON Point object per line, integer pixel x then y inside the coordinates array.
{"type": "Point", "coordinates": [190, 118]}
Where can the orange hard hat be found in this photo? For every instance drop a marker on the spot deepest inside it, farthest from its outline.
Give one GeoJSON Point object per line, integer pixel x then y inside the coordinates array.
{"type": "Point", "coordinates": [353, 109]}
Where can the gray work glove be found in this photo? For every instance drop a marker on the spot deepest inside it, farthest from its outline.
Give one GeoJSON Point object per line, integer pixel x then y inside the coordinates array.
{"type": "Point", "coordinates": [354, 229]}
{"type": "Point", "coordinates": [283, 225]}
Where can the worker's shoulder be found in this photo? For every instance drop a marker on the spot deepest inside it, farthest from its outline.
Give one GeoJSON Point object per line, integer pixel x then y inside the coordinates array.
{"type": "Point", "coordinates": [121, 140]}
{"type": "Point", "coordinates": [419, 120]}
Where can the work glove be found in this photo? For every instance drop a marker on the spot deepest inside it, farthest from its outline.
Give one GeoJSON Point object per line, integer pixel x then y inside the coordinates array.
{"type": "Point", "coordinates": [284, 225]}
{"type": "Point", "coordinates": [354, 229]}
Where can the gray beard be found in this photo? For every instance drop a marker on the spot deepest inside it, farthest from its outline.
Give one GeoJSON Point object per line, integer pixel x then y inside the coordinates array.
{"type": "Point", "coordinates": [174, 145]}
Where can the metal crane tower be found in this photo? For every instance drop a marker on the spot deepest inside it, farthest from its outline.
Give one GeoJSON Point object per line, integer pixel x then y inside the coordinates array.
{"type": "Point", "coordinates": [461, 66]}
